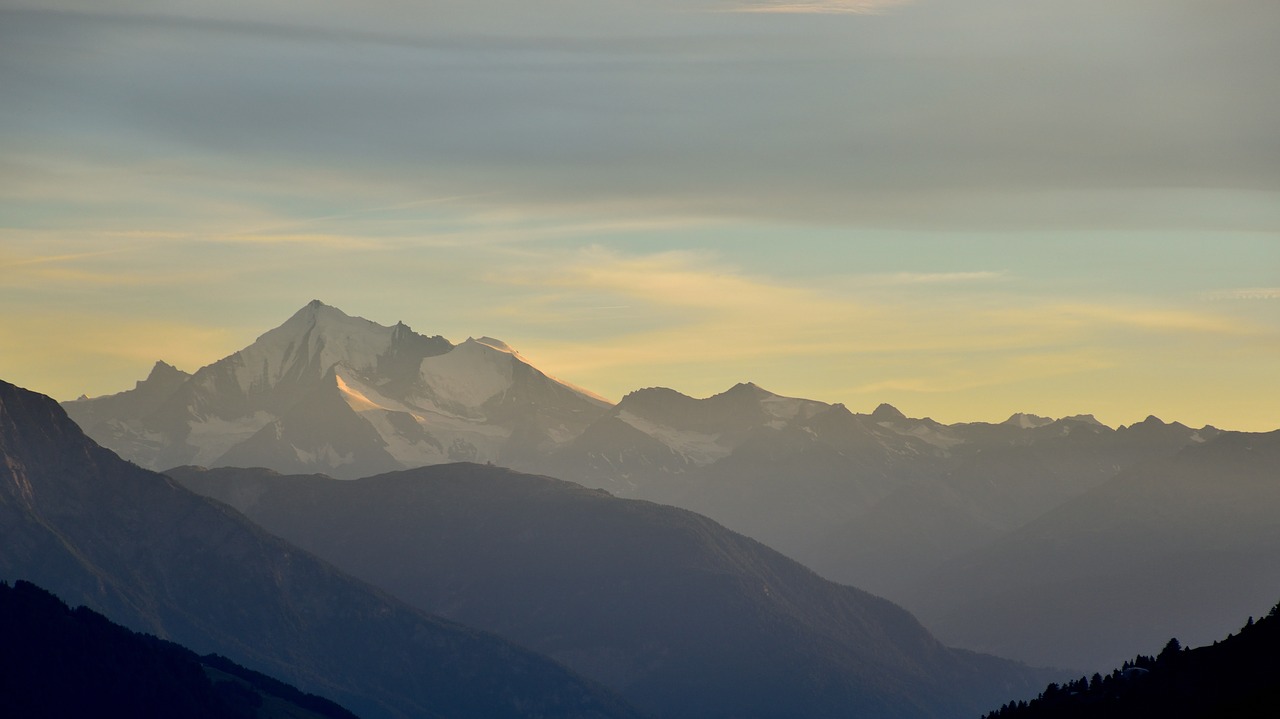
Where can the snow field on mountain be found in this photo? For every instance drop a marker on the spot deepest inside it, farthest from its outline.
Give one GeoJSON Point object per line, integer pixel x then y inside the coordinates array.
{"type": "Point", "coordinates": [698, 448]}
{"type": "Point", "coordinates": [212, 437]}
{"type": "Point", "coordinates": [445, 427]}
{"type": "Point", "coordinates": [469, 375]}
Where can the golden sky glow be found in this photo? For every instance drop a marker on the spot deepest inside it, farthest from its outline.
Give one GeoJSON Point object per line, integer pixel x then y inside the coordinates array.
{"type": "Point", "coordinates": [964, 209]}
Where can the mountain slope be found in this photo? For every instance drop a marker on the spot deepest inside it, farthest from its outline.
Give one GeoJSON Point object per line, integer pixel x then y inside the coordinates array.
{"type": "Point", "coordinates": [1182, 544]}
{"type": "Point", "coordinates": [59, 662]}
{"type": "Point", "coordinates": [1235, 677]}
{"type": "Point", "coordinates": [142, 550]}
{"type": "Point", "coordinates": [329, 392]}
{"type": "Point", "coordinates": [682, 617]}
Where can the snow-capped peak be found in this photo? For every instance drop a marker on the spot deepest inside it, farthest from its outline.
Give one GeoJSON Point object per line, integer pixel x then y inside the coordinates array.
{"type": "Point", "coordinates": [312, 341]}
{"type": "Point", "coordinates": [1083, 419]}
{"type": "Point", "coordinates": [496, 344]}
{"type": "Point", "coordinates": [886, 412]}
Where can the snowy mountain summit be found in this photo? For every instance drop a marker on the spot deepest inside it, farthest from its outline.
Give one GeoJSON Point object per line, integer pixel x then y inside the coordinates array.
{"type": "Point", "coordinates": [328, 392]}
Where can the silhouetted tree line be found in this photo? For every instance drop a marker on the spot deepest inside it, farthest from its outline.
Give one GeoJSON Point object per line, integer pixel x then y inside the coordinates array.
{"type": "Point", "coordinates": [61, 662]}
{"type": "Point", "coordinates": [1238, 677]}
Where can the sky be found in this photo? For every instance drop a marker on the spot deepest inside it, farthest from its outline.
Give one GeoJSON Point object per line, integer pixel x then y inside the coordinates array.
{"type": "Point", "coordinates": [965, 208]}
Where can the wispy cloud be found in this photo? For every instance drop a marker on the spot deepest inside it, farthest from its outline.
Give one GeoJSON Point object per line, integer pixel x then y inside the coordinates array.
{"type": "Point", "coordinates": [1177, 321]}
{"type": "Point", "coordinates": [67, 257]}
{"type": "Point", "coordinates": [313, 239]}
{"type": "Point", "coordinates": [691, 321]}
{"type": "Point", "coordinates": [1245, 293]}
{"type": "Point", "coordinates": [718, 313]}
{"type": "Point", "coordinates": [935, 278]}
{"type": "Point", "coordinates": [998, 370]}
{"type": "Point", "coordinates": [822, 7]}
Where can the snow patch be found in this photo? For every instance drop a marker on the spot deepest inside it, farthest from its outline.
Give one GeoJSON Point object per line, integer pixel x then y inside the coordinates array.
{"type": "Point", "coordinates": [451, 431]}
{"type": "Point", "coordinates": [789, 409]}
{"type": "Point", "coordinates": [697, 447]}
{"type": "Point", "coordinates": [469, 375]}
{"type": "Point", "coordinates": [927, 433]}
{"type": "Point", "coordinates": [324, 456]}
{"type": "Point", "coordinates": [498, 345]}
{"type": "Point", "coordinates": [213, 437]}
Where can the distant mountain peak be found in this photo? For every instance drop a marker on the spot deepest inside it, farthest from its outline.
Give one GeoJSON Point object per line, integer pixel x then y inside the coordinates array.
{"type": "Point", "coordinates": [839, 409]}
{"type": "Point", "coordinates": [746, 389]}
{"type": "Point", "coordinates": [313, 310]}
{"type": "Point", "coordinates": [1025, 420]}
{"type": "Point", "coordinates": [886, 412]}
{"type": "Point", "coordinates": [648, 392]}
{"type": "Point", "coordinates": [1083, 419]}
{"type": "Point", "coordinates": [339, 393]}
{"type": "Point", "coordinates": [163, 370]}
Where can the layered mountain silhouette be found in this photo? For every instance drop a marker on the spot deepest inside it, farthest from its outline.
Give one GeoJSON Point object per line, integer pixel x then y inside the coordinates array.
{"type": "Point", "coordinates": [679, 615]}
{"type": "Point", "coordinates": [329, 392]}
{"type": "Point", "coordinates": [1234, 677]}
{"type": "Point", "coordinates": [878, 500]}
{"type": "Point", "coordinates": [60, 662]}
{"type": "Point", "coordinates": [147, 553]}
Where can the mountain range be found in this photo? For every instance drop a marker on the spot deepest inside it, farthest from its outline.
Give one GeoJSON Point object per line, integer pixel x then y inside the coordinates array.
{"type": "Point", "coordinates": [881, 501]}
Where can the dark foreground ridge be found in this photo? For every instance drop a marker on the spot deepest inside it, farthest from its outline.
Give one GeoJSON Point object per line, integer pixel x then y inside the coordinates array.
{"type": "Point", "coordinates": [61, 662]}
{"type": "Point", "coordinates": [1238, 677]}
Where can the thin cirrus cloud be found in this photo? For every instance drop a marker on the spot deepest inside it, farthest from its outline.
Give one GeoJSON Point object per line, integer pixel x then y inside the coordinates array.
{"type": "Point", "coordinates": [728, 316]}
{"type": "Point", "coordinates": [935, 278]}
{"type": "Point", "coordinates": [1245, 293]}
{"type": "Point", "coordinates": [944, 378]}
{"type": "Point", "coordinates": [823, 7]}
